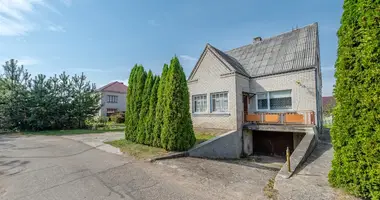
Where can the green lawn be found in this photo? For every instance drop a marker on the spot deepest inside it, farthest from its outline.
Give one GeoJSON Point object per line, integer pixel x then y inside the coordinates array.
{"type": "Point", "coordinates": [143, 151]}
{"type": "Point", "coordinates": [201, 137]}
{"type": "Point", "coordinates": [72, 132]}
{"type": "Point", "coordinates": [137, 150]}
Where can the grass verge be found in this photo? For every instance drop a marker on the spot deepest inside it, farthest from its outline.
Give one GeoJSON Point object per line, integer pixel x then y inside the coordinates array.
{"type": "Point", "coordinates": [138, 151]}
{"type": "Point", "coordinates": [141, 151]}
{"type": "Point", "coordinates": [202, 137]}
{"type": "Point", "coordinates": [71, 132]}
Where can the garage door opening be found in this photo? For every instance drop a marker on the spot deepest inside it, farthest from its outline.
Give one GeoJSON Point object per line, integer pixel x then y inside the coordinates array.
{"type": "Point", "coordinates": [275, 143]}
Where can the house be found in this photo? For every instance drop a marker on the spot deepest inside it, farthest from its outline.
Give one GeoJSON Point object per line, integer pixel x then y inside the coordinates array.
{"type": "Point", "coordinates": [113, 98]}
{"type": "Point", "coordinates": [270, 89]}
{"type": "Point", "coordinates": [328, 104]}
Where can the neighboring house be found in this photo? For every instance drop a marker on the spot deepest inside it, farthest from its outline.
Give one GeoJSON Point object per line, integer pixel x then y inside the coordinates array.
{"type": "Point", "coordinates": [274, 82]}
{"type": "Point", "coordinates": [113, 98]}
{"type": "Point", "coordinates": [328, 104]}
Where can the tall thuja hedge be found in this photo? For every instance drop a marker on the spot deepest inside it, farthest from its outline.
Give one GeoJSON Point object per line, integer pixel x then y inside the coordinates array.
{"type": "Point", "coordinates": [139, 77]}
{"type": "Point", "coordinates": [141, 130]}
{"type": "Point", "coordinates": [151, 118]}
{"type": "Point", "coordinates": [129, 106]}
{"type": "Point", "coordinates": [160, 108]}
{"type": "Point", "coordinates": [177, 132]}
{"type": "Point", "coordinates": [356, 128]}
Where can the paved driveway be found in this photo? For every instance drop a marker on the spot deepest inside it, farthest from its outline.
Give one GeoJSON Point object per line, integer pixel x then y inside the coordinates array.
{"type": "Point", "coordinates": [51, 167]}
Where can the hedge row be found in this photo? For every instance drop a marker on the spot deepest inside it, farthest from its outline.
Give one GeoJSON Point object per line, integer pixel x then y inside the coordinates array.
{"type": "Point", "coordinates": [158, 112]}
{"type": "Point", "coordinates": [356, 128]}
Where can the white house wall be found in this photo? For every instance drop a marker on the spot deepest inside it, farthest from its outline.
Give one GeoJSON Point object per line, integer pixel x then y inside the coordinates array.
{"type": "Point", "coordinates": [120, 105]}
{"type": "Point", "coordinates": [301, 83]}
{"type": "Point", "coordinates": [207, 79]}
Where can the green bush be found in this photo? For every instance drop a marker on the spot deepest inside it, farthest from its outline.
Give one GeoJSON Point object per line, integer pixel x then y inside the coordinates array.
{"type": "Point", "coordinates": [118, 117]}
{"type": "Point", "coordinates": [356, 128]}
{"type": "Point", "coordinates": [97, 122]}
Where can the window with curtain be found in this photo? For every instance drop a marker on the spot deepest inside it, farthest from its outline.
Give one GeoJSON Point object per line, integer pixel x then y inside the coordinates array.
{"type": "Point", "coordinates": [219, 102]}
{"type": "Point", "coordinates": [276, 100]}
{"type": "Point", "coordinates": [280, 100]}
{"type": "Point", "coordinates": [199, 103]}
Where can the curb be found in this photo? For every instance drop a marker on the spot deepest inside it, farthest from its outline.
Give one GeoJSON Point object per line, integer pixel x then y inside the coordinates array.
{"type": "Point", "coordinates": [170, 156]}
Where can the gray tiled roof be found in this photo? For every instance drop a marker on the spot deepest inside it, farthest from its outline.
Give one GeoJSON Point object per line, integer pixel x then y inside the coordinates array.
{"type": "Point", "coordinates": [289, 51]}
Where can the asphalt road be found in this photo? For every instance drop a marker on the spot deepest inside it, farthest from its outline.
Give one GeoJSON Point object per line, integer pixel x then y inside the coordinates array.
{"type": "Point", "coordinates": [43, 167]}
{"type": "Point", "coordinates": [55, 168]}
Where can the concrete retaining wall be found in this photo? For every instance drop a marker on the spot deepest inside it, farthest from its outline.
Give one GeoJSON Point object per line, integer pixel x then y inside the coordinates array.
{"type": "Point", "coordinates": [300, 154]}
{"type": "Point", "coordinates": [228, 145]}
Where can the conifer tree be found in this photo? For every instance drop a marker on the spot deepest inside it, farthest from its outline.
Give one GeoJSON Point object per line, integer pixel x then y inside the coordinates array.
{"type": "Point", "coordinates": [177, 132]}
{"type": "Point", "coordinates": [150, 121]}
{"type": "Point", "coordinates": [129, 106]}
{"type": "Point", "coordinates": [356, 127]}
{"type": "Point", "coordinates": [137, 97]}
{"type": "Point", "coordinates": [144, 110]}
{"type": "Point", "coordinates": [160, 108]}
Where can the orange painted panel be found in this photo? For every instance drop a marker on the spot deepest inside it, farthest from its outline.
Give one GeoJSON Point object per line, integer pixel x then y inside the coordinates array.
{"type": "Point", "coordinates": [253, 117]}
{"type": "Point", "coordinates": [294, 118]}
{"type": "Point", "coordinates": [271, 118]}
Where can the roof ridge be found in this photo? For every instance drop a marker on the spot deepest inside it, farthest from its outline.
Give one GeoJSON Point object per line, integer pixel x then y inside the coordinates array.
{"type": "Point", "coordinates": [237, 66]}
{"type": "Point", "coordinates": [283, 33]}
{"type": "Point", "coordinates": [108, 85]}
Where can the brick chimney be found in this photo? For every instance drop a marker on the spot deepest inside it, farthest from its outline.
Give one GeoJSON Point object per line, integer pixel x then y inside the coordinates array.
{"type": "Point", "coordinates": [257, 39]}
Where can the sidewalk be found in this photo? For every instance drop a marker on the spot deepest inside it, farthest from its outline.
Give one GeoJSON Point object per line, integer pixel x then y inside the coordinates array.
{"type": "Point", "coordinates": [310, 181]}
{"type": "Point", "coordinates": [97, 140]}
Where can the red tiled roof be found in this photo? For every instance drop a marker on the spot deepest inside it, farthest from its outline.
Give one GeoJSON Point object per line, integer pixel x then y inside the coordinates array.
{"type": "Point", "coordinates": [327, 100]}
{"type": "Point", "coordinates": [116, 86]}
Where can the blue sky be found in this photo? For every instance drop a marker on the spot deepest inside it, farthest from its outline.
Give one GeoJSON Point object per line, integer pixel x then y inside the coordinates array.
{"type": "Point", "coordinates": [105, 38]}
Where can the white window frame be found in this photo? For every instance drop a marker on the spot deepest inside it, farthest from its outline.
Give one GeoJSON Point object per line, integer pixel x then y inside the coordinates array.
{"type": "Point", "coordinates": [193, 103]}
{"type": "Point", "coordinates": [268, 101]}
{"type": "Point", "coordinates": [212, 106]}
{"type": "Point", "coordinates": [112, 99]}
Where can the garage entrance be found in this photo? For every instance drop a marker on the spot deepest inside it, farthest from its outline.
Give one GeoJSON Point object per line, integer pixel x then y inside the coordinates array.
{"type": "Point", "coordinates": [272, 143]}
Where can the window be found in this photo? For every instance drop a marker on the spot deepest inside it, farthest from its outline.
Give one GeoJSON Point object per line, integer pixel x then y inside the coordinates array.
{"type": "Point", "coordinates": [111, 111]}
{"type": "Point", "coordinates": [219, 102]}
{"type": "Point", "coordinates": [199, 103]}
{"type": "Point", "coordinates": [111, 99]}
{"type": "Point", "coordinates": [278, 100]}
{"type": "Point", "coordinates": [262, 101]}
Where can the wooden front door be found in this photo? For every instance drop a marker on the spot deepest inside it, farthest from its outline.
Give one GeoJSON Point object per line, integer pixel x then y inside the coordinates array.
{"type": "Point", "coordinates": [245, 104]}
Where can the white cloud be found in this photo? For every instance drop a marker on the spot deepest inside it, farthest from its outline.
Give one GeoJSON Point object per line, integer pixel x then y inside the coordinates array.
{"type": "Point", "coordinates": [153, 22]}
{"type": "Point", "coordinates": [15, 16]}
{"type": "Point", "coordinates": [67, 2]}
{"type": "Point", "coordinates": [187, 58]}
{"type": "Point", "coordinates": [28, 61]}
{"type": "Point", "coordinates": [56, 28]}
